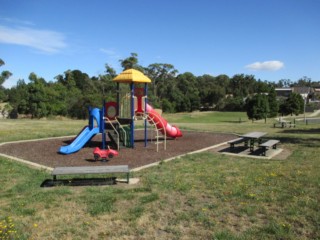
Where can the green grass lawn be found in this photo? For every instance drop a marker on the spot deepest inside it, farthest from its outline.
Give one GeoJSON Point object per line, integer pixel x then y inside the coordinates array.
{"type": "Point", "coordinates": [204, 196]}
{"type": "Point", "coordinates": [208, 117]}
{"type": "Point", "coordinates": [23, 129]}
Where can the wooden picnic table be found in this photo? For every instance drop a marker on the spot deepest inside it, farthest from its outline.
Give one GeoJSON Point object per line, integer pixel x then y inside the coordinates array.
{"type": "Point", "coordinates": [253, 137]}
{"type": "Point", "coordinates": [284, 123]}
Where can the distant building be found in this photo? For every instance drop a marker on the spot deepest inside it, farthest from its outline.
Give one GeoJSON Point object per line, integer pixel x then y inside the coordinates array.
{"type": "Point", "coordinates": [315, 94]}
{"type": "Point", "coordinates": [283, 92]}
{"type": "Point", "coordinates": [305, 92]}
{"type": "Point", "coordinates": [309, 94]}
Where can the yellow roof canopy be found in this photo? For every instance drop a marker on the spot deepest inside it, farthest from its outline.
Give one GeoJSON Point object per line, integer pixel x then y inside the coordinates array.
{"type": "Point", "coordinates": [132, 76]}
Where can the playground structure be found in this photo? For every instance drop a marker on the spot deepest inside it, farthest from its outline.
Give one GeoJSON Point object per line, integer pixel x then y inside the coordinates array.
{"type": "Point", "coordinates": [117, 119]}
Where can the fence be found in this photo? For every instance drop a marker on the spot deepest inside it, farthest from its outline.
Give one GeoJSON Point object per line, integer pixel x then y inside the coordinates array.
{"type": "Point", "coordinates": [307, 121]}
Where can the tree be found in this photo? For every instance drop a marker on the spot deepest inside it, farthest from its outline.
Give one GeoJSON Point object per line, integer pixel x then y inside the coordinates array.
{"type": "Point", "coordinates": [57, 95]}
{"type": "Point", "coordinates": [303, 82]}
{"type": "Point", "coordinates": [5, 110]}
{"type": "Point", "coordinates": [106, 87]}
{"type": "Point", "coordinates": [232, 104]}
{"type": "Point", "coordinates": [110, 71]}
{"type": "Point", "coordinates": [38, 99]}
{"type": "Point", "coordinates": [294, 104]}
{"type": "Point", "coordinates": [19, 97]}
{"type": "Point", "coordinates": [3, 77]}
{"type": "Point", "coordinates": [273, 103]}
{"type": "Point", "coordinates": [223, 81]}
{"type": "Point", "coordinates": [211, 90]}
{"type": "Point", "coordinates": [73, 94]}
{"type": "Point", "coordinates": [167, 106]}
{"type": "Point", "coordinates": [131, 62]}
{"type": "Point", "coordinates": [67, 80]}
{"type": "Point", "coordinates": [184, 93]}
{"type": "Point", "coordinates": [284, 83]}
{"type": "Point", "coordinates": [257, 107]}
{"type": "Point", "coordinates": [261, 87]}
{"type": "Point", "coordinates": [161, 74]}
{"type": "Point", "coordinates": [242, 85]}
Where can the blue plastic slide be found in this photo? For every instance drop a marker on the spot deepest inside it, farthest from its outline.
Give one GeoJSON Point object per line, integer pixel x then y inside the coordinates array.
{"type": "Point", "coordinates": [80, 140]}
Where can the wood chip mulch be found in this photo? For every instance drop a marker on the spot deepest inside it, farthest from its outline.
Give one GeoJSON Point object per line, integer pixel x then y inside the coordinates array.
{"type": "Point", "coordinates": [45, 152]}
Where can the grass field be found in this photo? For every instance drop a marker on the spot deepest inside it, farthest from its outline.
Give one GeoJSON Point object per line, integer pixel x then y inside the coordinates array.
{"type": "Point", "coordinates": [200, 196]}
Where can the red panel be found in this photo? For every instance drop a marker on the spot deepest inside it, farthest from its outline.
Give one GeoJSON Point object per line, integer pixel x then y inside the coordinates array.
{"type": "Point", "coordinates": [111, 110]}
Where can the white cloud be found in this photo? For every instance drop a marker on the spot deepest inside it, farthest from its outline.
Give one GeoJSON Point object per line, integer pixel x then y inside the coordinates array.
{"type": "Point", "coordinates": [107, 51]}
{"type": "Point", "coordinates": [44, 40]}
{"type": "Point", "coordinates": [16, 21]}
{"type": "Point", "coordinates": [110, 52]}
{"type": "Point", "coordinates": [266, 66]}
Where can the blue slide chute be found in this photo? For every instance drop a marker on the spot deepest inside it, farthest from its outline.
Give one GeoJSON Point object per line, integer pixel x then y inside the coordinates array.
{"type": "Point", "coordinates": [85, 135]}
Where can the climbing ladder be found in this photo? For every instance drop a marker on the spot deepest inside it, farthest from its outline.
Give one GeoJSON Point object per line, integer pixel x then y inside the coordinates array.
{"type": "Point", "coordinates": [160, 132]}
{"type": "Point", "coordinates": [119, 135]}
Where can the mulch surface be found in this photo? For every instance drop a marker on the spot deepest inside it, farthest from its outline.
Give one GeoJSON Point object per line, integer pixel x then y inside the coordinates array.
{"type": "Point", "coordinates": [45, 152]}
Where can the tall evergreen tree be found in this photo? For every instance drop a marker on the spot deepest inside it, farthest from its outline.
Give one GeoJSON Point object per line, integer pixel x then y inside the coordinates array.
{"type": "Point", "coordinates": [294, 104]}
{"type": "Point", "coordinates": [185, 93]}
{"type": "Point", "coordinates": [257, 107]}
{"type": "Point", "coordinates": [273, 103]}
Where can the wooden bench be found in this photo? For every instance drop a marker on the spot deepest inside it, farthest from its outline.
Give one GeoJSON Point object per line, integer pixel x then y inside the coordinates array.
{"type": "Point", "coordinates": [268, 144]}
{"type": "Point", "coordinates": [90, 170]}
{"type": "Point", "coordinates": [237, 141]}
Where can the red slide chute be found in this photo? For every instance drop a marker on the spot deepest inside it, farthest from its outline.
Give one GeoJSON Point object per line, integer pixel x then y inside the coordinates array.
{"type": "Point", "coordinates": [161, 123]}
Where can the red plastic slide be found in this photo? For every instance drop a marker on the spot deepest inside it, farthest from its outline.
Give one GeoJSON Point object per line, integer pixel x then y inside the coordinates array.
{"type": "Point", "coordinates": [161, 123]}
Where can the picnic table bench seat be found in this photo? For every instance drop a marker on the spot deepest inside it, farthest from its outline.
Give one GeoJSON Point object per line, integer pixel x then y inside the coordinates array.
{"type": "Point", "coordinates": [90, 170]}
{"type": "Point", "coordinates": [268, 144]}
{"type": "Point", "coordinates": [284, 124]}
{"type": "Point", "coordinates": [237, 141]}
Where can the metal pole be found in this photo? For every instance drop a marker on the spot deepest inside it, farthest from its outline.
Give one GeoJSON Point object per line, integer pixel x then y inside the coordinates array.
{"type": "Point", "coordinates": [145, 112]}
{"type": "Point", "coordinates": [102, 125]}
{"type": "Point", "coordinates": [90, 118]}
{"type": "Point", "coordinates": [118, 99]}
{"type": "Point", "coordinates": [304, 109]}
{"type": "Point", "coordinates": [132, 115]}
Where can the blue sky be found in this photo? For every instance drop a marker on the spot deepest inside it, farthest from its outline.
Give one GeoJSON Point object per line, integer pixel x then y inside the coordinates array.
{"type": "Point", "coordinates": [270, 39]}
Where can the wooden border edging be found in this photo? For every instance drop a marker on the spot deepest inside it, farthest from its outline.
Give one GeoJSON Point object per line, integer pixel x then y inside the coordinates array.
{"type": "Point", "coordinates": [28, 163]}
{"type": "Point", "coordinates": [176, 157]}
